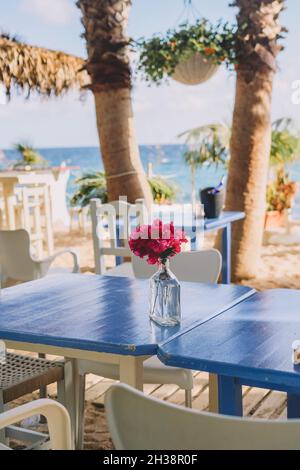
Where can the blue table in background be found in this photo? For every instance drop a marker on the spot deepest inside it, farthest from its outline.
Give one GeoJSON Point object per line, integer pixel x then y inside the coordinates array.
{"type": "Point", "coordinates": [224, 223]}
{"type": "Point", "coordinates": [194, 228]}
{"type": "Point", "coordinates": [210, 225]}
{"type": "Point", "coordinates": [250, 344]}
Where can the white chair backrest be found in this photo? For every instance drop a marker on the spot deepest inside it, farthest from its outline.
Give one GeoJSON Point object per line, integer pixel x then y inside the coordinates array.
{"type": "Point", "coordinates": [15, 258]}
{"type": "Point", "coordinates": [34, 214]}
{"type": "Point", "coordinates": [191, 266]}
{"type": "Point", "coordinates": [136, 422]}
{"type": "Point", "coordinates": [111, 222]}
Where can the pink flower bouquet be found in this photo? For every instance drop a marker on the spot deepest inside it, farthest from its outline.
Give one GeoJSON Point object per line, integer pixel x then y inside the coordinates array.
{"type": "Point", "coordinates": [157, 242]}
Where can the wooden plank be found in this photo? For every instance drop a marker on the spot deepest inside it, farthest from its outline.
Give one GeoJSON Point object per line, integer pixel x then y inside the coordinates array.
{"type": "Point", "coordinates": [271, 406]}
{"type": "Point", "coordinates": [91, 380]}
{"type": "Point", "coordinates": [252, 399]}
{"type": "Point", "coordinates": [283, 414]}
{"type": "Point", "coordinates": [97, 390]}
{"type": "Point", "coordinates": [201, 401]}
{"type": "Point", "coordinates": [178, 398]}
{"type": "Point", "coordinates": [149, 388]}
{"type": "Point", "coordinates": [165, 392]}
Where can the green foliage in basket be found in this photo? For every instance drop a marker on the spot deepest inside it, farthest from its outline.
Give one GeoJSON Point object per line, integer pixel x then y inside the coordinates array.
{"type": "Point", "coordinates": [160, 54]}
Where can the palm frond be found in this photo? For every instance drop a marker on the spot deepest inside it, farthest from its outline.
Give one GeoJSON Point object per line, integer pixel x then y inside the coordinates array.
{"type": "Point", "coordinates": [194, 136]}
{"type": "Point", "coordinates": [29, 156]}
{"type": "Point", "coordinates": [47, 72]}
{"type": "Point", "coordinates": [91, 185]}
{"type": "Point", "coordinates": [285, 142]}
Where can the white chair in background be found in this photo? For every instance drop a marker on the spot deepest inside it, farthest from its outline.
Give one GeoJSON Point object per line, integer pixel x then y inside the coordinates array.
{"type": "Point", "coordinates": [201, 266]}
{"type": "Point", "coordinates": [191, 266]}
{"type": "Point", "coordinates": [111, 226]}
{"type": "Point", "coordinates": [33, 213]}
{"type": "Point", "coordinates": [57, 418]}
{"type": "Point", "coordinates": [136, 421]}
{"type": "Point", "coordinates": [79, 216]}
{"type": "Point", "coordinates": [16, 261]}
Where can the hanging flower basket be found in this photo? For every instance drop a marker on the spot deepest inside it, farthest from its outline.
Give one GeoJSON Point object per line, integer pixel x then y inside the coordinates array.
{"type": "Point", "coordinates": [191, 54]}
{"type": "Point", "coordinates": [195, 70]}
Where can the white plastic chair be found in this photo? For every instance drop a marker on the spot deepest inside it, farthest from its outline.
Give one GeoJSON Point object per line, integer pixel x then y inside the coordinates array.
{"type": "Point", "coordinates": [33, 213]}
{"type": "Point", "coordinates": [201, 266]}
{"type": "Point", "coordinates": [139, 422]}
{"type": "Point", "coordinates": [16, 261]}
{"type": "Point", "coordinates": [105, 237]}
{"type": "Point", "coordinates": [56, 415]}
{"type": "Point", "coordinates": [190, 266]}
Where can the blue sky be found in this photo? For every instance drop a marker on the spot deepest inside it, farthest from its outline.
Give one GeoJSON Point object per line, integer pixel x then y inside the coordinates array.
{"type": "Point", "coordinates": [161, 113]}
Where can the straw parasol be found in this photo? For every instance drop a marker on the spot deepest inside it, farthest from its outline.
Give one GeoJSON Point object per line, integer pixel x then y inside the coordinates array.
{"type": "Point", "coordinates": [45, 71]}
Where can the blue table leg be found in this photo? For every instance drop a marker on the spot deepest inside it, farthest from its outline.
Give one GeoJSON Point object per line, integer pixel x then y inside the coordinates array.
{"type": "Point", "coordinates": [226, 254]}
{"type": "Point", "coordinates": [230, 396]}
{"type": "Point", "coordinates": [293, 406]}
{"type": "Point", "coordinates": [119, 259]}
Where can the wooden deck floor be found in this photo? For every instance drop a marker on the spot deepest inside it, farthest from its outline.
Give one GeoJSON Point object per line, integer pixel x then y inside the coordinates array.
{"type": "Point", "coordinates": [258, 403]}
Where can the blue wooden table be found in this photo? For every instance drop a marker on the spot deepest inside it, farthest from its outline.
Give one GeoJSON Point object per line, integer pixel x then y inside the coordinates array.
{"type": "Point", "coordinates": [250, 344]}
{"type": "Point", "coordinates": [103, 314]}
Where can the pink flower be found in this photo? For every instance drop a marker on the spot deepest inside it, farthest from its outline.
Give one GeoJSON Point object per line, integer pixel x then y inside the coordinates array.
{"type": "Point", "coordinates": [157, 241]}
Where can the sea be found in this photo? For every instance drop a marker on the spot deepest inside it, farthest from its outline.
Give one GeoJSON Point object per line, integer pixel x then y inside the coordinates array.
{"type": "Point", "coordinates": [166, 161]}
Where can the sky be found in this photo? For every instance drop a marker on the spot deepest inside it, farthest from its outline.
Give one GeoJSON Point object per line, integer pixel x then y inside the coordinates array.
{"type": "Point", "coordinates": [161, 113]}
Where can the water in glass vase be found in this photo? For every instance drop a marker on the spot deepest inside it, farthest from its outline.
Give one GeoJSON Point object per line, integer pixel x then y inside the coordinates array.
{"type": "Point", "coordinates": [165, 296]}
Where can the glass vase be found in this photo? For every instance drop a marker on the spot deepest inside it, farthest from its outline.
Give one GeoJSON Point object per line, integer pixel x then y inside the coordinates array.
{"type": "Point", "coordinates": [165, 296]}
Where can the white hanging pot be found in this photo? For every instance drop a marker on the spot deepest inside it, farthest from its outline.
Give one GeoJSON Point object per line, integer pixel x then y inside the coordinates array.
{"type": "Point", "coordinates": [195, 70]}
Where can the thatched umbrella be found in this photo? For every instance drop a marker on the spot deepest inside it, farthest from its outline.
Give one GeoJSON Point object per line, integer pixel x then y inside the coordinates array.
{"type": "Point", "coordinates": [38, 69]}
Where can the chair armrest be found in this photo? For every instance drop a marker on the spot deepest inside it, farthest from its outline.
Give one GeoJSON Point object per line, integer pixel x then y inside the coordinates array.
{"type": "Point", "coordinates": [58, 420]}
{"type": "Point", "coordinates": [71, 251]}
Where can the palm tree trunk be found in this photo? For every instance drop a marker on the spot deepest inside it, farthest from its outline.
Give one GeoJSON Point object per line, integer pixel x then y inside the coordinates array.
{"type": "Point", "coordinates": [257, 48]}
{"type": "Point", "coordinates": [125, 174]}
{"type": "Point", "coordinates": [105, 24]}
{"type": "Point", "coordinates": [248, 170]}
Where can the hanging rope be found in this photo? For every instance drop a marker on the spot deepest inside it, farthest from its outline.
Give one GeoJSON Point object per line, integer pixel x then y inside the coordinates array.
{"type": "Point", "coordinates": [189, 12]}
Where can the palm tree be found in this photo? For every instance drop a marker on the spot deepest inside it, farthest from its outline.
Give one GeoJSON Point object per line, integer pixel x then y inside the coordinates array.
{"type": "Point", "coordinates": [105, 23]}
{"type": "Point", "coordinates": [30, 156]}
{"type": "Point", "coordinates": [257, 47]}
{"type": "Point", "coordinates": [90, 186]}
{"type": "Point", "coordinates": [285, 145]}
{"type": "Point", "coordinates": [207, 145]}
{"type": "Point", "coordinates": [44, 71]}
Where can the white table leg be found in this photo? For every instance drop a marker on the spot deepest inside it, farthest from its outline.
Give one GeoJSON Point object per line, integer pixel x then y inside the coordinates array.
{"type": "Point", "coordinates": [71, 375]}
{"type": "Point", "coordinates": [131, 371]}
{"type": "Point", "coordinates": [213, 393]}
